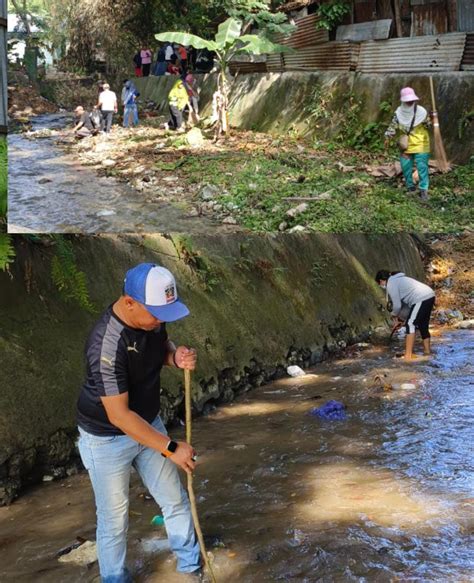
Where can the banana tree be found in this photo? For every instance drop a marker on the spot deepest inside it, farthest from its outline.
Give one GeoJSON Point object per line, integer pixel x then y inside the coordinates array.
{"type": "Point", "coordinates": [228, 42]}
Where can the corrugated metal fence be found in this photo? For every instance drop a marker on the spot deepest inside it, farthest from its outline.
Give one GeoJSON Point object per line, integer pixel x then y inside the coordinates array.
{"type": "Point", "coordinates": [3, 66]}
{"type": "Point", "coordinates": [442, 52]}
{"type": "Point", "coordinates": [404, 55]}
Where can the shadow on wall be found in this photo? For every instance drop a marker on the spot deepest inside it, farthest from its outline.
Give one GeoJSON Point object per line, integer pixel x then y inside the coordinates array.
{"type": "Point", "coordinates": [277, 102]}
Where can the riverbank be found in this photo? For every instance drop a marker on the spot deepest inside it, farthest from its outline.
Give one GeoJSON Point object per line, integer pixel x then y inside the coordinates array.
{"type": "Point", "coordinates": [383, 496]}
{"type": "Point", "coordinates": [270, 183]}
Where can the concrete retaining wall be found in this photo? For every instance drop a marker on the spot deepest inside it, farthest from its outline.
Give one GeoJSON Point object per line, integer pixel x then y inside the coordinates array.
{"type": "Point", "coordinates": [257, 304]}
{"type": "Point", "coordinates": [276, 102]}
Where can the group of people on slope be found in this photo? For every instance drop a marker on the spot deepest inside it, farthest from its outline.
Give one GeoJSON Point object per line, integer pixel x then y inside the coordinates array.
{"type": "Point", "coordinates": [171, 59]}
{"type": "Point", "coordinates": [100, 118]}
{"type": "Point", "coordinates": [183, 100]}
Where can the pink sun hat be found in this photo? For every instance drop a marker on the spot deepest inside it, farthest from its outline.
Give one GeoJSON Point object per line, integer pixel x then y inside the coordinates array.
{"type": "Point", "coordinates": [408, 94]}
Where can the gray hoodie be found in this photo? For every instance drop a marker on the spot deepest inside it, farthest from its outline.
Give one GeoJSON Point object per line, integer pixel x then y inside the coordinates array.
{"type": "Point", "coordinates": [404, 289]}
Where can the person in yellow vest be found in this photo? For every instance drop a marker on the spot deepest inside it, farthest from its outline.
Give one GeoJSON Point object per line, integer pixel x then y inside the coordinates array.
{"type": "Point", "coordinates": [178, 100]}
{"type": "Point", "coordinates": [412, 121]}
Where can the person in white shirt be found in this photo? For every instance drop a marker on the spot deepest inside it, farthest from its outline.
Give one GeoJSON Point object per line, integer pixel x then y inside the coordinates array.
{"type": "Point", "coordinates": [419, 298]}
{"type": "Point", "coordinates": [108, 105]}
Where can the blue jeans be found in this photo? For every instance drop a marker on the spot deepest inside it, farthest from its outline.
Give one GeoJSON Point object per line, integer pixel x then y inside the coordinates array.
{"type": "Point", "coordinates": [109, 460]}
{"type": "Point", "coordinates": [421, 161]}
{"type": "Point", "coordinates": [130, 109]}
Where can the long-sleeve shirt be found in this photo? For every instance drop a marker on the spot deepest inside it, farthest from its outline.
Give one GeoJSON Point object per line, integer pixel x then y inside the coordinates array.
{"type": "Point", "coordinates": [406, 290]}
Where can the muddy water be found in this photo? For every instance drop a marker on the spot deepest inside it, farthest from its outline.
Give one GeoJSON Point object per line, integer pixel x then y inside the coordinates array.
{"type": "Point", "coordinates": [49, 191]}
{"type": "Point", "coordinates": [386, 495]}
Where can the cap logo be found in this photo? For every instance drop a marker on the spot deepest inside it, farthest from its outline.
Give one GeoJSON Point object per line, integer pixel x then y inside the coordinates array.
{"type": "Point", "coordinates": [170, 294]}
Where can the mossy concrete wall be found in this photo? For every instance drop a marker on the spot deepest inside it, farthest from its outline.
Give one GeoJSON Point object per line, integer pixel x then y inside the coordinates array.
{"type": "Point", "coordinates": [278, 102]}
{"type": "Point", "coordinates": [257, 303]}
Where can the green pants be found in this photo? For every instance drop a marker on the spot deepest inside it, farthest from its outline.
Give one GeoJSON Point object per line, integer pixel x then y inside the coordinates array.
{"type": "Point", "coordinates": [421, 161]}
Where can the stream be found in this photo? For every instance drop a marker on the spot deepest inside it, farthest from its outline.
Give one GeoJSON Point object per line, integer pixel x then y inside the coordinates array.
{"type": "Point", "coordinates": [384, 496]}
{"type": "Point", "coordinates": [50, 192]}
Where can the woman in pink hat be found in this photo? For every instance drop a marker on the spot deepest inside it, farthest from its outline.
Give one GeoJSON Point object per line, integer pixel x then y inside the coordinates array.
{"type": "Point", "coordinates": [412, 121]}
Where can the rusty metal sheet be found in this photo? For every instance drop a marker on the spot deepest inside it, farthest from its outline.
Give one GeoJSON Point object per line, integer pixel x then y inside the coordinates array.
{"type": "Point", "coordinates": [365, 10]}
{"type": "Point", "coordinates": [429, 19]}
{"type": "Point", "coordinates": [331, 56]}
{"type": "Point", "coordinates": [424, 53]}
{"type": "Point", "coordinates": [467, 62]}
{"type": "Point", "coordinates": [246, 67]}
{"type": "Point", "coordinates": [305, 35]}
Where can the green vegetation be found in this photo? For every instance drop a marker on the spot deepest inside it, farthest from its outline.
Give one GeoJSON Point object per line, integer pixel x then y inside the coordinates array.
{"type": "Point", "coordinates": [70, 281]}
{"type": "Point", "coordinates": [196, 262]}
{"type": "Point", "coordinates": [228, 42]}
{"type": "Point", "coordinates": [331, 13]}
{"type": "Point", "coordinates": [262, 186]}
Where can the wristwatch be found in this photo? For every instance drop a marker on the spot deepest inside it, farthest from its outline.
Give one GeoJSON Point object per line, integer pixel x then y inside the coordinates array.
{"type": "Point", "coordinates": [170, 449]}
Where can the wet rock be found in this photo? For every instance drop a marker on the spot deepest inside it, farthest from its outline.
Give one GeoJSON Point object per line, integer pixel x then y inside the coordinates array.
{"type": "Point", "coordinates": [105, 213]}
{"type": "Point", "coordinates": [44, 180]}
{"type": "Point", "coordinates": [84, 555]}
{"type": "Point", "coordinates": [295, 371]}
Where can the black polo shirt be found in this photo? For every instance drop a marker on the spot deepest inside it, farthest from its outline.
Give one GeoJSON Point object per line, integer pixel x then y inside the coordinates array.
{"type": "Point", "coordinates": [121, 359]}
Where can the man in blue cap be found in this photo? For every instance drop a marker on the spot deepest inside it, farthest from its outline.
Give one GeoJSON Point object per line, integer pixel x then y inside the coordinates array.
{"type": "Point", "coordinates": [119, 422]}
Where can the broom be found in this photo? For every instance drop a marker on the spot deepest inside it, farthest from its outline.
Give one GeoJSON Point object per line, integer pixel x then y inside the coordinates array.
{"type": "Point", "coordinates": [439, 152]}
{"type": "Point", "coordinates": [192, 497]}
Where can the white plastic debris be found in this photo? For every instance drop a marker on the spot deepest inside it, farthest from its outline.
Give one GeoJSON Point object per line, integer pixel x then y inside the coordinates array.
{"type": "Point", "coordinates": [407, 386]}
{"type": "Point", "coordinates": [295, 371]}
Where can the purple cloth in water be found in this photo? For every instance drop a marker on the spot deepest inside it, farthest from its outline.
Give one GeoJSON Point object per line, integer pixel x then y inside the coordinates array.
{"type": "Point", "coordinates": [332, 410]}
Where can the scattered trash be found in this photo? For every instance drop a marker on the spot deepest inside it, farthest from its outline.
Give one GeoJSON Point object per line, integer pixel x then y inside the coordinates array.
{"type": "Point", "coordinates": [105, 213]}
{"type": "Point", "coordinates": [295, 371]}
{"type": "Point", "coordinates": [157, 521]}
{"type": "Point", "coordinates": [466, 325]}
{"type": "Point", "coordinates": [408, 386]}
{"type": "Point", "coordinates": [332, 410]}
{"type": "Point", "coordinates": [83, 555]}
{"type": "Point", "coordinates": [48, 478]}
{"type": "Point", "coordinates": [297, 210]}
{"type": "Point", "coordinates": [239, 446]}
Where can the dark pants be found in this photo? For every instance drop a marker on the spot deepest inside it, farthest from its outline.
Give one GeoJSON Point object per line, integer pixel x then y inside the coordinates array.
{"type": "Point", "coordinates": [419, 317]}
{"type": "Point", "coordinates": [146, 69]}
{"type": "Point", "coordinates": [108, 117]}
{"type": "Point", "coordinates": [176, 119]}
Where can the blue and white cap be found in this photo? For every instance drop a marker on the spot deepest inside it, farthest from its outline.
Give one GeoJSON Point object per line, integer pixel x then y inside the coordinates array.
{"type": "Point", "coordinates": [155, 288]}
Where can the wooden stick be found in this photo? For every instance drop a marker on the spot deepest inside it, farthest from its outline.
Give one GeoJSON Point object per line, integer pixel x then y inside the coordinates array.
{"type": "Point", "coordinates": [192, 497]}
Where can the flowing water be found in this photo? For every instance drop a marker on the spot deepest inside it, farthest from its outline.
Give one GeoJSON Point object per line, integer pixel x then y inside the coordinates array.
{"type": "Point", "coordinates": [50, 192]}
{"type": "Point", "coordinates": [384, 496]}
